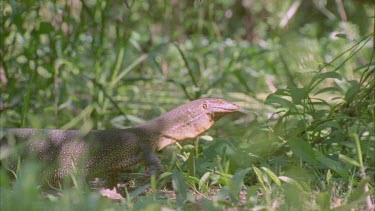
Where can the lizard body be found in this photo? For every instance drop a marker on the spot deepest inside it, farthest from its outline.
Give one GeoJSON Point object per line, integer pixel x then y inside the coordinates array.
{"type": "Point", "coordinates": [109, 151]}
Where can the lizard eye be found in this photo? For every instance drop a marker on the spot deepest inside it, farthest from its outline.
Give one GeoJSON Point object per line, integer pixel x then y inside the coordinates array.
{"type": "Point", "coordinates": [204, 106]}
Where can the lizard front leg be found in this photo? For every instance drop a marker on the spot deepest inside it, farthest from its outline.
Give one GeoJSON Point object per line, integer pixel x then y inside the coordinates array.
{"type": "Point", "coordinates": [152, 163]}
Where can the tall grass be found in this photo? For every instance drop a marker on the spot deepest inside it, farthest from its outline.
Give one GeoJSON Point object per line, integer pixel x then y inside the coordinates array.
{"type": "Point", "coordinates": [304, 138]}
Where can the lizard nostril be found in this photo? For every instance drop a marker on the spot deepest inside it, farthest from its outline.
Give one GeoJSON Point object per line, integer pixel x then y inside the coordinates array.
{"type": "Point", "coordinates": [204, 105]}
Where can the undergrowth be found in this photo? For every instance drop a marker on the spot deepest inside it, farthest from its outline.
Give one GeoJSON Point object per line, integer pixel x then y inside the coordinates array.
{"type": "Point", "coordinates": [303, 140]}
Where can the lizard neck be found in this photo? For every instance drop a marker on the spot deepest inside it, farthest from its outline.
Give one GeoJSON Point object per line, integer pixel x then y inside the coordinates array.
{"type": "Point", "coordinates": [186, 121]}
{"type": "Point", "coordinates": [177, 126]}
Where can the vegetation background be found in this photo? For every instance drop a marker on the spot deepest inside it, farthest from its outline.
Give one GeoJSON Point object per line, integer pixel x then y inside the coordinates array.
{"type": "Point", "coordinates": [302, 72]}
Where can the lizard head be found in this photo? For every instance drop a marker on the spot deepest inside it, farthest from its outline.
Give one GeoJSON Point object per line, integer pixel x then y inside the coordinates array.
{"type": "Point", "coordinates": [191, 119]}
{"type": "Point", "coordinates": [217, 108]}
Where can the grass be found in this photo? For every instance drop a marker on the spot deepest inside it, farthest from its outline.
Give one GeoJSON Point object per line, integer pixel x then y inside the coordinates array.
{"type": "Point", "coordinates": [304, 138]}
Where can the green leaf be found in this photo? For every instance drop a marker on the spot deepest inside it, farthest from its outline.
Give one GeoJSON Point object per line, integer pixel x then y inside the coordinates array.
{"type": "Point", "coordinates": [328, 89]}
{"type": "Point", "coordinates": [302, 149]}
{"type": "Point", "coordinates": [138, 191]}
{"type": "Point", "coordinates": [4, 179]}
{"type": "Point", "coordinates": [272, 175]}
{"type": "Point", "coordinates": [329, 178]}
{"type": "Point", "coordinates": [341, 35]}
{"type": "Point", "coordinates": [190, 162]}
{"type": "Point", "coordinates": [165, 175]}
{"type": "Point", "coordinates": [359, 193]}
{"type": "Point", "coordinates": [45, 28]}
{"type": "Point", "coordinates": [332, 124]}
{"type": "Point", "coordinates": [324, 200]}
{"type": "Point", "coordinates": [329, 75]}
{"type": "Point", "coordinates": [129, 68]}
{"type": "Point", "coordinates": [203, 181]}
{"type": "Point", "coordinates": [242, 80]}
{"type": "Point", "coordinates": [297, 94]}
{"type": "Point", "coordinates": [352, 91]}
{"type": "Point", "coordinates": [332, 164]}
{"type": "Point", "coordinates": [236, 184]}
{"type": "Point", "coordinates": [259, 175]}
{"type": "Point", "coordinates": [358, 148]}
{"type": "Point", "coordinates": [252, 191]}
{"type": "Point", "coordinates": [364, 66]}
{"type": "Point", "coordinates": [179, 186]}
{"type": "Point", "coordinates": [272, 98]}
{"type": "Point", "coordinates": [291, 182]}
{"type": "Point", "coordinates": [349, 160]}
{"type": "Point", "coordinates": [282, 92]}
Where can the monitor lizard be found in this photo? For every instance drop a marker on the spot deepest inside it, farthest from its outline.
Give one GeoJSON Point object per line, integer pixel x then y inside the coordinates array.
{"type": "Point", "coordinates": [101, 152]}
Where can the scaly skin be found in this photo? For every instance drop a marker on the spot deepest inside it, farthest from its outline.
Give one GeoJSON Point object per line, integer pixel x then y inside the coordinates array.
{"type": "Point", "coordinates": [103, 152]}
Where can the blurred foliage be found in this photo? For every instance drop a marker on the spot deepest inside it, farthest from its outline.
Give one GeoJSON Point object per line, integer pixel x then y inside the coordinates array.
{"type": "Point", "coordinates": [302, 72]}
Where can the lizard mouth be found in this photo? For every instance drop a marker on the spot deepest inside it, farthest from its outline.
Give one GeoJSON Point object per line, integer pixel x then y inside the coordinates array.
{"type": "Point", "coordinates": [227, 108]}
{"type": "Point", "coordinates": [220, 111]}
